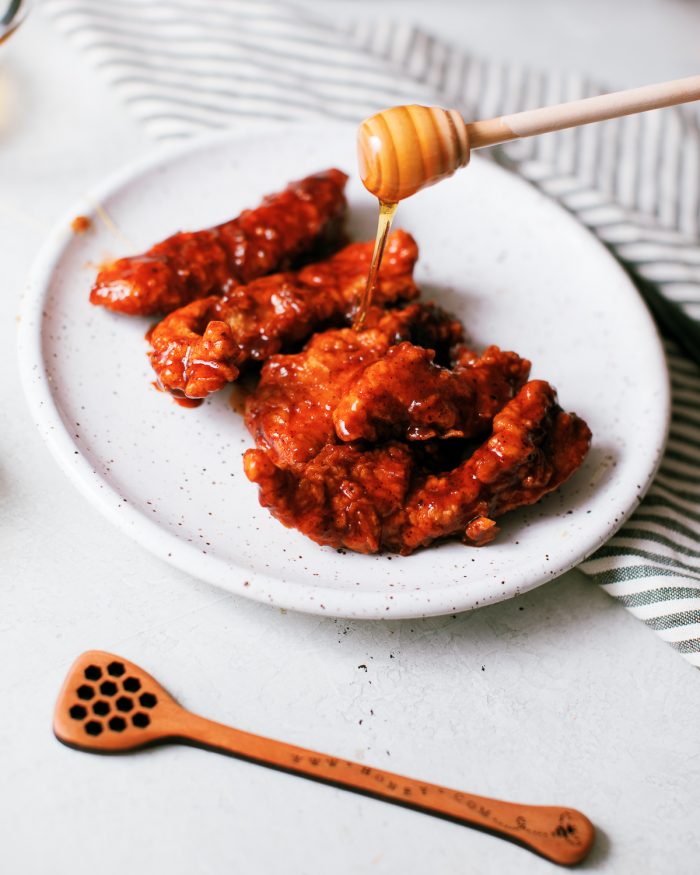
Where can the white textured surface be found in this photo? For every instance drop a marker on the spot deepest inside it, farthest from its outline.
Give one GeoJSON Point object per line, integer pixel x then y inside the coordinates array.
{"type": "Point", "coordinates": [577, 703]}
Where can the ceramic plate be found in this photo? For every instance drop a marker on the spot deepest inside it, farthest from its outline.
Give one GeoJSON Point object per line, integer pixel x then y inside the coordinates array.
{"type": "Point", "coordinates": [517, 269]}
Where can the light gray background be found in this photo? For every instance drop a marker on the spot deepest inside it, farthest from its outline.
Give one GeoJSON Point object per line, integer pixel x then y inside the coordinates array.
{"type": "Point", "coordinates": [559, 696]}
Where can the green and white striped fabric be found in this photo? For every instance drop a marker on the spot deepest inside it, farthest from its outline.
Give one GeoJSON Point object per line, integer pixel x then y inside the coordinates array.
{"type": "Point", "coordinates": [184, 66]}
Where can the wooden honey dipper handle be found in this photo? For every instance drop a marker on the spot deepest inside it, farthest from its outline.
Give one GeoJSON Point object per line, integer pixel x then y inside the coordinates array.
{"type": "Point", "coordinates": [562, 835]}
{"type": "Point", "coordinates": [406, 148]}
{"type": "Point", "coordinates": [582, 112]}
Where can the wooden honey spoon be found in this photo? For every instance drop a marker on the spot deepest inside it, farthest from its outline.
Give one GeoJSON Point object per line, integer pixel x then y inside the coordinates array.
{"type": "Point", "coordinates": [406, 148]}
{"type": "Point", "coordinates": [110, 705]}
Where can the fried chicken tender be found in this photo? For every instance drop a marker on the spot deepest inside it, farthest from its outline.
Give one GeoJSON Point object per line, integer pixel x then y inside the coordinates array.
{"type": "Point", "coordinates": [534, 447]}
{"type": "Point", "coordinates": [290, 414]}
{"type": "Point", "coordinates": [406, 395]}
{"type": "Point", "coordinates": [199, 348]}
{"type": "Point", "coordinates": [343, 495]}
{"type": "Point", "coordinates": [369, 499]}
{"type": "Point", "coordinates": [195, 264]}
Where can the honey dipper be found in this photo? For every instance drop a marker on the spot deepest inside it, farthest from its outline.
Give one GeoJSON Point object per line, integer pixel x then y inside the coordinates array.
{"type": "Point", "coordinates": [406, 148]}
{"type": "Point", "coordinates": [110, 705]}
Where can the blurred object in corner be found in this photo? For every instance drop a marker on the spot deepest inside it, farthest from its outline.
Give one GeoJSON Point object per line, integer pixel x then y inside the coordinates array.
{"type": "Point", "coordinates": [12, 13]}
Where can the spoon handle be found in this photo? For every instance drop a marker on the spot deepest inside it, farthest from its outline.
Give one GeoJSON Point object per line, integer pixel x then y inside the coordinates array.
{"type": "Point", "coordinates": [582, 112]}
{"type": "Point", "coordinates": [562, 835]}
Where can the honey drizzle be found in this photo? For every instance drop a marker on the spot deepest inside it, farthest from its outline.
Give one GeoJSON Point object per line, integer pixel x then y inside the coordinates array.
{"type": "Point", "coordinates": [386, 216]}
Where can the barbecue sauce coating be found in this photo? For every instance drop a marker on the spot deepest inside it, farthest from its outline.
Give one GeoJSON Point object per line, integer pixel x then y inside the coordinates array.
{"type": "Point", "coordinates": [372, 497]}
{"type": "Point", "coordinates": [534, 447]}
{"type": "Point", "coordinates": [362, 438]}
{"type": "Point", "coordinates": [406, 395]}
{"type": "Point", "coordinates": [291, 412]}
{"type": "Point", "coordinates": [191, 265]}
{"type": "Point", "coordinates": [199, 348]}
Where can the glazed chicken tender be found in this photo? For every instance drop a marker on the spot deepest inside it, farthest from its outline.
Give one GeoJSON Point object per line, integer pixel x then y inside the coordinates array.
{"type": "Point", "coordinates": [373, 439]}
{"type": "Point", "coordinates": [406, 395]}
{"type": "Point", "coordinates": [371, 498]}
{"type": "Point", "coordinates": [304, 219]}
{"type": "Point", "coordinates": [199, 348]}
{"type": "Point", "coordinates": [291, 413]}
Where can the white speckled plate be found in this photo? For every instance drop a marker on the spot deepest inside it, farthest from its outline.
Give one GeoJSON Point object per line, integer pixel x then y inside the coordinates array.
{"type": "Point", "coordinates": [516, 268]}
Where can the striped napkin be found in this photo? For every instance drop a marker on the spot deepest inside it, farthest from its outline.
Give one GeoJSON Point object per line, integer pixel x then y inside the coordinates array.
{"type": "Point", "coordinates": [186, 66]}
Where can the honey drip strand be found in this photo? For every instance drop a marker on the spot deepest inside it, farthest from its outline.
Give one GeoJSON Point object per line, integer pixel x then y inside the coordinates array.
{"type": "Point", "coordinates": [386, 216]}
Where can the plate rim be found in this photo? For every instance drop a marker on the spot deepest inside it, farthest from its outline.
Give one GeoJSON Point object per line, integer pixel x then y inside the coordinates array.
{"type": "Point", "coordinates": [165, 545]}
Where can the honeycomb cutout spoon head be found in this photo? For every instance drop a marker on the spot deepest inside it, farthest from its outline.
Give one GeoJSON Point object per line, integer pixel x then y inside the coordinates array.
{"type": "Point", "coordinates": [108, 704]}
